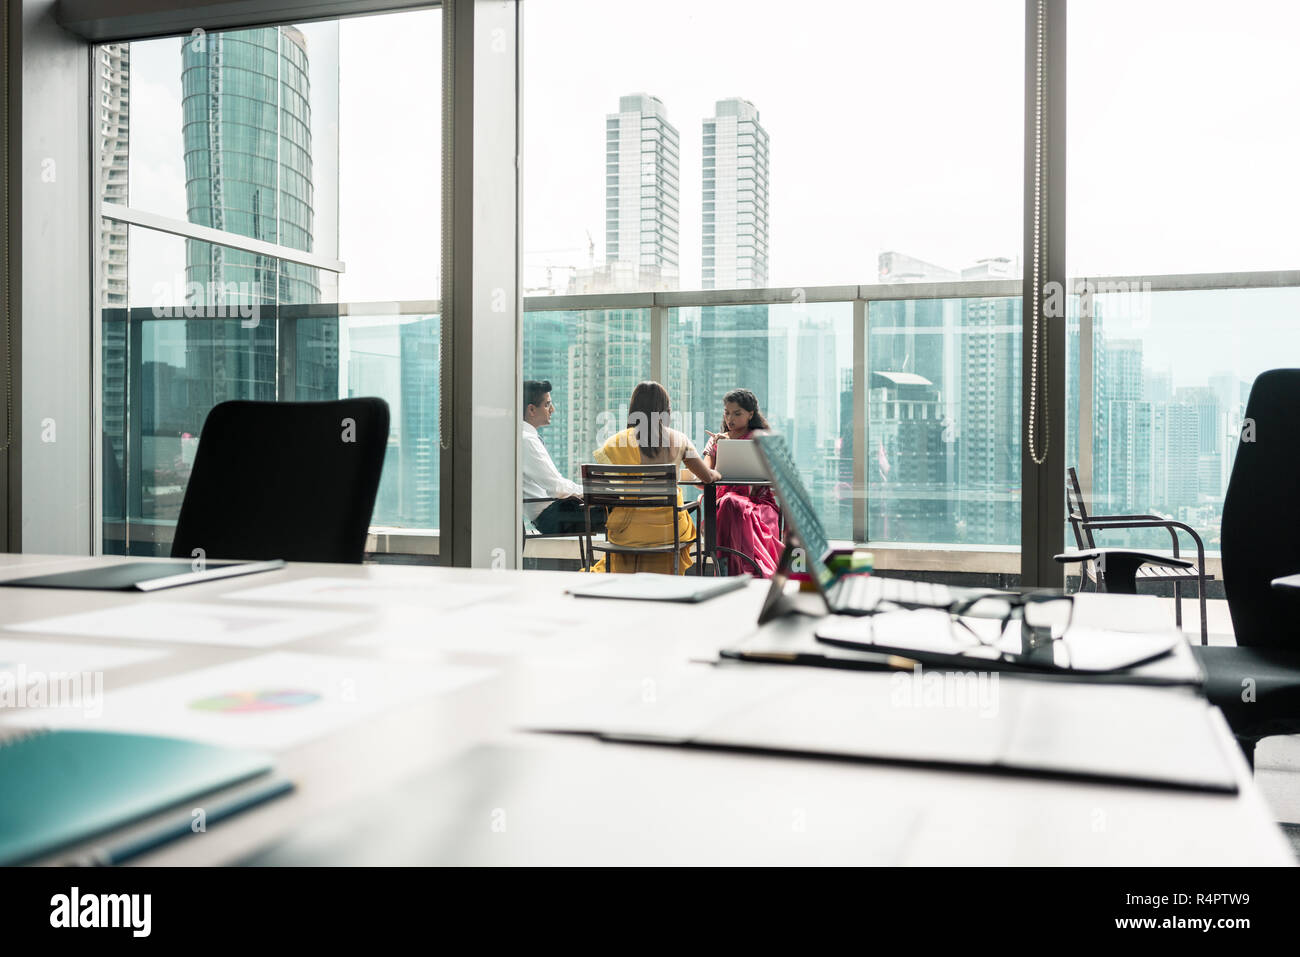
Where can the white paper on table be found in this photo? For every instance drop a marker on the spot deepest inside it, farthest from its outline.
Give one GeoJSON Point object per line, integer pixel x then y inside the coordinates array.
{"type": "Point", "coordinates": [268, 702]}
{"type": "Point", "coordinates": [369, 591]}
{"type": "Point", "coordinates": [194, 623]}
{"type": "Point", "coordinates": [67, 656]}
{"type": "Point", "coordinates": [489, 629]}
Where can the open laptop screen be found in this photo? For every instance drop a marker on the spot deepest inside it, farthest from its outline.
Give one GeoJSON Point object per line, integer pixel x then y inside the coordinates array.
{"type": "Point", "coordinates": [800, 515]}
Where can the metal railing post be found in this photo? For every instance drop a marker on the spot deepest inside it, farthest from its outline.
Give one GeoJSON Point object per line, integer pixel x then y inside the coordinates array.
{"type": "Point", "coordinates": [658, 342]}
{"type": "Point", "coordinates": [861, 419]}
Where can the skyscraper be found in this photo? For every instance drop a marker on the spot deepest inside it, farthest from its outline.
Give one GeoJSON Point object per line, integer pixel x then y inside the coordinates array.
{"type": "Point", "coordinates": [609, 355]}
{"type": "Point", "coordinates": [1179, 451]}
{"type": "Point", "coordinates": [900, 267]}
{"type": "Point", "coordinates": [989, 469]}
{"type": "Point", "coordinates": [112, 97]}
{"type": "Point", "coordinates": [816, 396]}
{"type": "Point", "coordinates": [642, 194]}
{"type": "Point", "coordinates": [734, 340]}
{"type": "Point", "coordinates": [1158, 385]}
{"type": "Point", "coordinates": [1134, 466]}
{"type": "Point", "coordinates": [908, 464]}
{"type": "Point", "coordinates": [375, 368]}
{"type": "Point", "coordinates": [1124, 380]}
{"type": "Point", "coordinates": [1123, 473]}
{"type": "Point", "coordinates": [776, 403]}
{"type": "Point", "coordinates": [1119, 472]}
{"type": "Point", "coordinates": [547, 338]}
{"type": "Point", "coordinates": [735, 198]}
{"type": "Point", "coordinates": [605, 353]}
{"type": "Point", "coordinates": [732, 353]}
{"type": "Point", "coordinates": [1228, 388]}
{"type": "Point", "coordinates": [1206, 457]}
{"type": "Point", "coordinates": [248, 167]}
{"type": "Point", "coordinates": [1092, 483]}
{"type": "Point", "coordinates": [419, 344]}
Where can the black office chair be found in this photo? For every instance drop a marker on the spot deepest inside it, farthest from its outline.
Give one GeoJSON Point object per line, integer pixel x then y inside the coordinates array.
{"type": "Point", "coordinates": [291, 480]}
{"type": "Point", "coordinates": [1257, 683]}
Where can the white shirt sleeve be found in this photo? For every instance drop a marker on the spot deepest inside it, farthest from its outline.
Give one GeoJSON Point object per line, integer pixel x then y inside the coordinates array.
{"type": "Point", "coordinates": [539, 472]}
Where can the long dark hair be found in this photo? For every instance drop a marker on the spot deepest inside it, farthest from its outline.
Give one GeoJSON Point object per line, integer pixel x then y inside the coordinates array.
{"type": "Point", "coordinates": [749, 402]}
{"type": "Point", "coordinates": [648, 414]}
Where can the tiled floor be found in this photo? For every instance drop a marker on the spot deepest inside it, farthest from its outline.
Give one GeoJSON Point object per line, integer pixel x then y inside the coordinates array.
{"type": "Point", "coordinates": [1277, 759]}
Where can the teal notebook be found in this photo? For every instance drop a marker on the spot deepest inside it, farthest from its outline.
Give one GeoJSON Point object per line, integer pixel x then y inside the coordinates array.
{"type": "Point", "coordinates": [62, 787]}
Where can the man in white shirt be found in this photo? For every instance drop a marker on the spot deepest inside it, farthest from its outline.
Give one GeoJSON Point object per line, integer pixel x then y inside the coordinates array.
{"type": "Point", "coordinates": [541, 479]}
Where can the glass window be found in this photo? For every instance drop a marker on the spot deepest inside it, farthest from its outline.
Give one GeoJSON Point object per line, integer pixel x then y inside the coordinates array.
{"type": "Point", "coordinates": [251, 132]}
{"type": "Point", "coordinates": [1178, 165]}
{"type": "Point", "coordinates": [900, 90]}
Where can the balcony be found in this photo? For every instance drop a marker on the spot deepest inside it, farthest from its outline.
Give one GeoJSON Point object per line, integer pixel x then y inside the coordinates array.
{"type": "Point", "coordinates": [936, 492]}
{"type": "Point", "coordinates": [904, 426]}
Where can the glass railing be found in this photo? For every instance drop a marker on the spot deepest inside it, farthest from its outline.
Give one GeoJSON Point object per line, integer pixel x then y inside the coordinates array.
{"type": "Point", "coordinates": [943, 421]}
{"type": "Point", "coordinates": [1173, 360]}
{"type": "Point", "coordinates": [797, 358]}
{"type": "Point", "coordinates": [908, 433]}
{"type": "Point", "coordinates": [902, 402]}
{"type": "Point", "coordinates": [163, 374]}
{"type": "Point", "coordinates": [593, 358]}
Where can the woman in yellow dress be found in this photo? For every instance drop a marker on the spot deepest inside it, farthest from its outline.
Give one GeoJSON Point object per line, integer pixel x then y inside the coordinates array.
{"type": "Point", "coordinates": [649, 440]}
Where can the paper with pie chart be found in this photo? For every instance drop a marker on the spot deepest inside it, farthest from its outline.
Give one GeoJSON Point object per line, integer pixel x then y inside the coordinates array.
{"type": "Point", "coordinates": [268, 702]}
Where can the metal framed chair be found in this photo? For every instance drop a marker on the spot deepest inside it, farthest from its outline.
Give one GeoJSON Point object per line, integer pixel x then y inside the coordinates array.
{"type": "Point", "coordinates": [636, 486]}
{"type": "Point", "coordinates": [722, 568]}
{"type": "Point", "coordinates": [1118, 570]}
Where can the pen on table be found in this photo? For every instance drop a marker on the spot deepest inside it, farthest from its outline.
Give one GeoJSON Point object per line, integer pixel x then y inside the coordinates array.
{"type": "Point", "coordinates": [875, 662]}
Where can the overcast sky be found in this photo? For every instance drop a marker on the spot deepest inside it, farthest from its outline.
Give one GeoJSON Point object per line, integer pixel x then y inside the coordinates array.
{"type": "Point", "coordinates": [893, 126]}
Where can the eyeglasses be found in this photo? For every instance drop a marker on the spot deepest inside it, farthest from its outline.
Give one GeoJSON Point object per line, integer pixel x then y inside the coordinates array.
{"type": "Point", "coordinates": [1045, 617]}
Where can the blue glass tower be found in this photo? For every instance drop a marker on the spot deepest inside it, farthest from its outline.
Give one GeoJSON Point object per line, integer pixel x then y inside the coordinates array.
{"type": "Point", "coordinates": [248, 168]}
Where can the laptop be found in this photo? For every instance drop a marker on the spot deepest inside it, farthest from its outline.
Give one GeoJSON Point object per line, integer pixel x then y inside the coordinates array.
{"type": "Point", "coordinates": [143, 576]}
{"type": "Point", "coordinates": [739, 461]}
{"type": "Point", "coordinates": [844, 594]}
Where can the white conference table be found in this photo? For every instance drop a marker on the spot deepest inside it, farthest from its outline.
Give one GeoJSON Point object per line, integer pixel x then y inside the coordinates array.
{"type": "Point", "coordinates": [447, 778]}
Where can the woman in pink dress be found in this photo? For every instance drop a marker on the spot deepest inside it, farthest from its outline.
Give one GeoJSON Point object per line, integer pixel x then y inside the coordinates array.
{"type": "Point", "coordinates": [747, 516]}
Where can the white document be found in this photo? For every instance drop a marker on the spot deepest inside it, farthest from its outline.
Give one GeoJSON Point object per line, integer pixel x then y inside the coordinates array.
{"type": "Point", "coordinates": [420, 592]}
{"type": "Point", "coordinates": [269, 702]}
{"type": "Point", "coordinates": [672, 703]}
{"type": "Point", "coordinates": [65, 656]}
{"type": "Point", "coordinates": [194, 623]}
{"type": "Point", "coordinates": [546, 630]}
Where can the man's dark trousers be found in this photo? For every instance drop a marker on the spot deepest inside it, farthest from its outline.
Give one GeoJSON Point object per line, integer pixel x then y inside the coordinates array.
{"type": "Point", "coordinates": [565, 518]}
